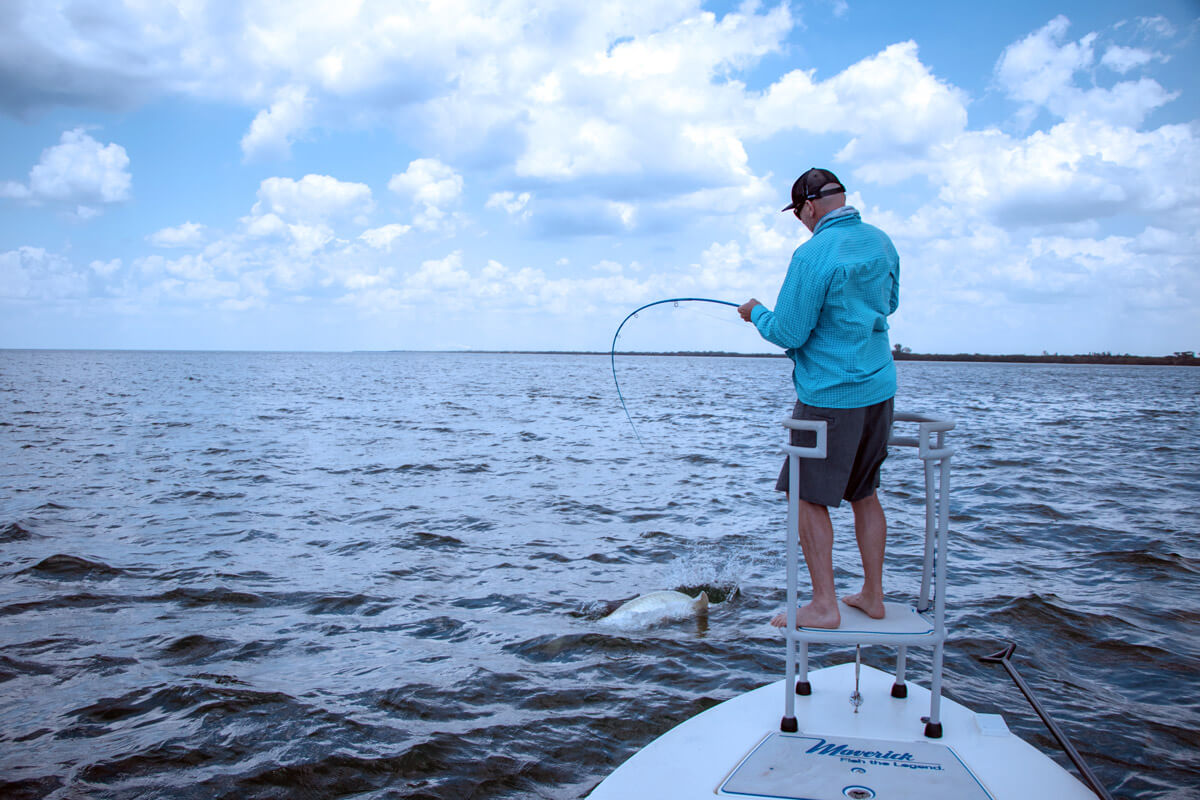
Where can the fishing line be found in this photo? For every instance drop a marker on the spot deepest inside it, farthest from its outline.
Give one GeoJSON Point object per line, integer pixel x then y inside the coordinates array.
{"type": "Point", "coordinates": [717, 316]}
{"type": "Point", "coordinates": [632, 314]}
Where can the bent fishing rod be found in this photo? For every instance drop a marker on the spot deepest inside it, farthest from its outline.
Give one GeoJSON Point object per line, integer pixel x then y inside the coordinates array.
{"type": "Point", "coordinates": [634, 313]}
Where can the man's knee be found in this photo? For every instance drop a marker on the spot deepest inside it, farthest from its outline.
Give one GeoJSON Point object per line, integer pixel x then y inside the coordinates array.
{"type": "Point", "coordinates": [866, 502]}
{"type": "Point", "coordinates": [805, 503]}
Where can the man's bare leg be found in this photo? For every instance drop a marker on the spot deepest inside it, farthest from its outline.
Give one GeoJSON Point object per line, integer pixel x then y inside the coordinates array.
{"type": "Point", "coordinates": [870, 528]}
{"type": "Point", "coordinates": [816, 540]}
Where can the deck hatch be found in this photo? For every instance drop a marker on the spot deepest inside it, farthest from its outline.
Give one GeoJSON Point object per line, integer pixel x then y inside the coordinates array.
{"type": "Point", "coordinates": [792, 766]}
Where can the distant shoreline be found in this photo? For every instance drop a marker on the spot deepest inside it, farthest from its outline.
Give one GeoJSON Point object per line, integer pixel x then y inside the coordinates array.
{"type": "Point", "coordinates": [1187, 359]}
{"type": "Point", "coordinates": [1182, 359]}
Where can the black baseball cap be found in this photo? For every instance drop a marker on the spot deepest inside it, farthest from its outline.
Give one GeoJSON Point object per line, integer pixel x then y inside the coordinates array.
{"type": "Point", "coordinates": [808, 187]}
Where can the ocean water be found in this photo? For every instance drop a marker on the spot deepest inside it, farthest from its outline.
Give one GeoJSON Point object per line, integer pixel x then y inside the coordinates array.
{"type": "Point", "coordinates": [240, 575]}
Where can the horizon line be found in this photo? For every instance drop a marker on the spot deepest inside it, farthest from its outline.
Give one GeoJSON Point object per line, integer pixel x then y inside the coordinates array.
{"type": "Point", "coordinates": [1182, 357]}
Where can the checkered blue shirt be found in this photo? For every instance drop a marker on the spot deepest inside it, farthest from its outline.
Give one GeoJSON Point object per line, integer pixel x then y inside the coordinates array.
{"type": "Point", "coordinates": [831, 315]}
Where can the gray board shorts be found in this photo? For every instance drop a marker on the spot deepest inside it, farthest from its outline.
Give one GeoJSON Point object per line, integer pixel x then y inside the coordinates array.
{"type": "Point", "coordinates": [855, 446]}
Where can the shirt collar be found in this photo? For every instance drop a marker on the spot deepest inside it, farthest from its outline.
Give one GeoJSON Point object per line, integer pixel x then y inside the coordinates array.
{"type": "Point", "coordinates": [833, 216]}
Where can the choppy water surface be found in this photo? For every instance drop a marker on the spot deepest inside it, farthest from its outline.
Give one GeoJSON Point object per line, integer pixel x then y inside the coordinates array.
{"type": "Point", "coordinates": [379, 575]}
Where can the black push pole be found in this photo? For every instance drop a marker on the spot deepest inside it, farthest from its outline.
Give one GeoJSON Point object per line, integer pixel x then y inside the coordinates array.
{"type": "Point", "coordinates": [1003, 658]}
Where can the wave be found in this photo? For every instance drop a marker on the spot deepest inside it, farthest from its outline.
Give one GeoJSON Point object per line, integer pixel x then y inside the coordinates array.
{"type": "Point", "coordinates": [406, 602]}
{"type": "Point", "coordinates": [68, 567]}
{"type": "Point", "coordinates": [13, 532]}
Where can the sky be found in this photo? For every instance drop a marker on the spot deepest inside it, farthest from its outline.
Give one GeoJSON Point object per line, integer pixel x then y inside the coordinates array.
{"type": "Point", "coordinates": [520, 175]}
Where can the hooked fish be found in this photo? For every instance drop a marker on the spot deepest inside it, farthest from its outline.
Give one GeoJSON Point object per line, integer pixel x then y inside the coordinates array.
{"type": "Point", "coordinates": [657, 607]}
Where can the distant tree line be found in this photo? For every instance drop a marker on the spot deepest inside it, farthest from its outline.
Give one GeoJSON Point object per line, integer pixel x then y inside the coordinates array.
{"type": "Point", "coordinates": [1186, 358]}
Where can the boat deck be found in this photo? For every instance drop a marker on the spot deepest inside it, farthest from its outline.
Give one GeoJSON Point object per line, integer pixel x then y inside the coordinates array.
{"type": "Point", "coordinates": [735, 749]}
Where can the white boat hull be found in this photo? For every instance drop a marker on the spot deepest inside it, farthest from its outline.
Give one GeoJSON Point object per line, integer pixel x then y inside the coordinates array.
{"type": "Point", "coordinates": [700, 758]}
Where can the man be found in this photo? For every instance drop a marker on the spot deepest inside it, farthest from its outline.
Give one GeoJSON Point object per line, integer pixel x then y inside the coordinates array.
{"type": "Point", "coordinates": [831, 317]}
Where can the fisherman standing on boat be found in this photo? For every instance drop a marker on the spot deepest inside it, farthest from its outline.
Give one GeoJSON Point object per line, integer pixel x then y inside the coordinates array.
{"type": "Point", "coordinates": [831, 317]}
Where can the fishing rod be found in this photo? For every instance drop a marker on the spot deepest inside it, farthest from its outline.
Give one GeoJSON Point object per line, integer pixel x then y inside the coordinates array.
{"type": "Point", "coordinates": [1004, 658]}
{"type": "Point", "coordinates": [632, 314]}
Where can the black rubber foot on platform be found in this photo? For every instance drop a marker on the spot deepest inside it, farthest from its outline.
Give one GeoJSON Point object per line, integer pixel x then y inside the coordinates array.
{"type": "Point", "coordinates": [803, 687]}
{"type": "Point", "coordinates": [933, 730]}
{"type": "Point", "coordinates": [899, 690]}
{"type": "Point", "coordinates": [788, 725]}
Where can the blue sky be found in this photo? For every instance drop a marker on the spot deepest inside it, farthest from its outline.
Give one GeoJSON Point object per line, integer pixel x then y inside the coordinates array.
{"type": "Point", "coordinates": [520, 175]}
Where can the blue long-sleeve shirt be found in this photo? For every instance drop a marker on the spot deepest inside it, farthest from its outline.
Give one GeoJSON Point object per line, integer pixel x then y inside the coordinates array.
{"type": "Point", "coordinates": [831, 315]}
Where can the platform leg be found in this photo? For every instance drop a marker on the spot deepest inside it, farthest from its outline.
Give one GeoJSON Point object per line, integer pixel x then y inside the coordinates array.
{"type": "Point", "coordinates": [803, 687]}
{"type": "Point", "coordinates": [792, 566]}
{"type": "Point", "coordinates": [789, 700]}
{"type": "Point", "coordinates": [899, 689]}
{"type": "Point", "coordinates": [933, 728]}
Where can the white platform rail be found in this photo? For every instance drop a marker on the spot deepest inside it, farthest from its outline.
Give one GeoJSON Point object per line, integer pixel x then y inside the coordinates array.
{"type": "Point", "coordinates": [919, 625]}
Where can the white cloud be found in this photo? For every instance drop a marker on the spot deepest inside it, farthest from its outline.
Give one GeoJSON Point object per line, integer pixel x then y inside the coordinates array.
{"type": "Point", "coordinates": [1158, 242]}
{"type": "Point", "coordinates": [454, 286]}
{"type": "Point", "coordinates": [893, 102]}
{"type": "Point", "coordinates": [653, 110]}
{"type": "Point", "coordinates": [110, 55]}
{"type": "Point", "coordinates": [76, 171]}
{"type": "Point", "coordinates": [1075, 171]}
{"type": "Point", "coordinates": [1038, 67]}
{"type": "Point", "coordinates": [14, 190]}
{"type": "Point", "coordinates": [1123, 59]}
{"type": "Point", "coordinates": [273, 129]}
{"type": "Point", "coordinates": [1158, 26]}
{"type": "Point", "coordinates": [32, 273]}
{"type": "Point", "coordinates": [439, 275]}
{"type": "Point", "coordinates": [626, 212]}
{"type": "Point", "coordinates": [568, 92]}
{"type": "Point", "coordinates": [891, 105]}
{"type": "Point", "coordinates": [433, 187]}
{"type": "Point", "coordinates": [510, 202]}
{"type": "Point", "coordinates": [189, 234]}
{"type": "Point", "coordinates": [307, 239]}
{"type": "Point", "coordinates": [194, 268]}
{"type": "Point", "coordinates": [235, 272]}
{"type": "Point", "coordinates": [95, 52]}
{"type": "Point", "coordinates": [264, 226]}
{"type": "Point", "coordinates": [569, 144]}
{"type": "Point", "coordinates": [429, 182]}
{"type": "Point", "coordinates": [382, 238]}
{"type": "Point", "coordinates": [313, 198]}
{"type": "Point", "coordinates": [80, 168]}
{"type": "Point", "coordinates": [1040, 70]}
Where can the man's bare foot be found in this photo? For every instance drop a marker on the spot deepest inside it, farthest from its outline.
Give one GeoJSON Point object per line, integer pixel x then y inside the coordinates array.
{"type": "Point", "coordinates": [874, 610]}
{"type": "Point", "coordinates": [810, 617]}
